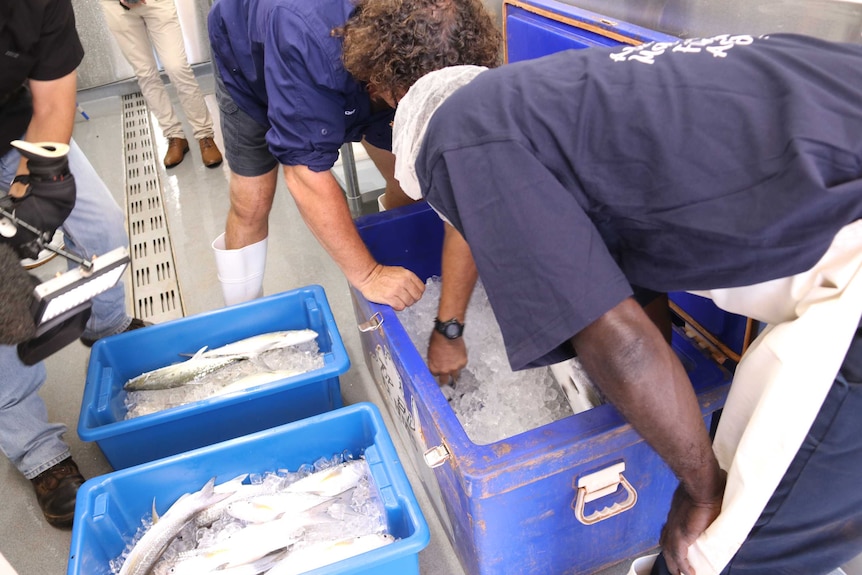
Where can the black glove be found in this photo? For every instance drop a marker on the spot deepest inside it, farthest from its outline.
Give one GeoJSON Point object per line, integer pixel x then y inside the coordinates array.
{"type": "Point", "coordinates": [48, 201]}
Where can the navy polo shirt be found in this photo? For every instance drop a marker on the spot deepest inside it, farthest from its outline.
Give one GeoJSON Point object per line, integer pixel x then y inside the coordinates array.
{"type": "Point", "coordinates": [694, 165]}
{"type": "Point", "coordinates": [282, 66]}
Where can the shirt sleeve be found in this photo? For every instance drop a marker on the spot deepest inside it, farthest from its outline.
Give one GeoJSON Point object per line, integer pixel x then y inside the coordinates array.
{"type": "Point", "coordinates": [59, 50]}
{"type": "Point", "coordinates": [544, 265]}
{"type": "Point", "coordinates": [305, 108]}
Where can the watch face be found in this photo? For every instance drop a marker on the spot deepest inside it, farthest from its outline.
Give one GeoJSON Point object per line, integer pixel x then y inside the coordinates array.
{"type": "Point", "coordinates": [453, 330]}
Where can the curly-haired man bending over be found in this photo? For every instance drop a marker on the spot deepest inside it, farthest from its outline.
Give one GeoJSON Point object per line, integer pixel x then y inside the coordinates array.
{"type": "Point", "coordinates": [287, 99]}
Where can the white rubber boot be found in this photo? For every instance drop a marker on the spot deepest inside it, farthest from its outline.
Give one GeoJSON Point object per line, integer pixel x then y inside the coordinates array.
{"type": "Point", "coordinates": [240, 271]}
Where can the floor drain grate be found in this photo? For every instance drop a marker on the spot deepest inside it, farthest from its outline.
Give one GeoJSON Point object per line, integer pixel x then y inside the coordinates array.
{"type": "Point", "coordinates": [155, 289]}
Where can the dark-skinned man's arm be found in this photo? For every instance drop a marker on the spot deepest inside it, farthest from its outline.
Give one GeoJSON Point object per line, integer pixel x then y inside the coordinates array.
{"type": "Point", "coordinates": [629, 360]}
{"type": "Point", "coordinates": [447, 357]}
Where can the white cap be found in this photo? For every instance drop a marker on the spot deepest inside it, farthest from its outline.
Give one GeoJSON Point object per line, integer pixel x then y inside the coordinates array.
{"type": "Point", "coordinates": [413, 114]}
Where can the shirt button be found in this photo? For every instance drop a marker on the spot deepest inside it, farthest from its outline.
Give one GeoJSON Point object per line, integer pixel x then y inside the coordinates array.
{"type": "Point", "coordinates": [324, 131]}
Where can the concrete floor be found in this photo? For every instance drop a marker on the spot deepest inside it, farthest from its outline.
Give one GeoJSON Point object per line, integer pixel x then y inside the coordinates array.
{"type": "Point", "coordinates": [196, 201]}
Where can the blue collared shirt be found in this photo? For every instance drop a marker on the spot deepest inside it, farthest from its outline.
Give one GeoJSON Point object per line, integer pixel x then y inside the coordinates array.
{"type": "Point", "coordinates": [281, 64]}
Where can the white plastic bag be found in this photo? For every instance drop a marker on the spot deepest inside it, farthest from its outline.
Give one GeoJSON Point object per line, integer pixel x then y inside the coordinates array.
{"type": "Point", "coordinates": [577, 386]}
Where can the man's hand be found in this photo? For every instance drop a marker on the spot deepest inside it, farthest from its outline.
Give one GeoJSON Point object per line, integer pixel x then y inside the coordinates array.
{"type": "Point", "coordinates": [686, 520]}
{"type": "Point", "coordinates": [446, 357]}
{"type": "Point", "coordinates": [18, 189]}
{"type": "Point", "coordinates": [392, 285]}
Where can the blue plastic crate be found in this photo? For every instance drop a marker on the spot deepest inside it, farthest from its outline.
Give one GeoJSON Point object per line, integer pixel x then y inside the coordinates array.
{"type": "Point", "coordinates": [115, 360]}
{"type": "Point", "coordinates": [509, 506]}
{"type": "Point", "coordinates": [109, 508]}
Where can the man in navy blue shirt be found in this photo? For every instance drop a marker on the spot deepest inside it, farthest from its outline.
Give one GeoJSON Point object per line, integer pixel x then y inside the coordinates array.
{"type": "Point", "coordinates": [731, 164]}
{"type": "Point", "coordinates": [286, 99]}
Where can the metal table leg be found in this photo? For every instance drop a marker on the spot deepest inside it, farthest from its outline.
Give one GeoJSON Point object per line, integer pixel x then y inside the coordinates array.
{"type": "Point", "coordinates": [354, 197]}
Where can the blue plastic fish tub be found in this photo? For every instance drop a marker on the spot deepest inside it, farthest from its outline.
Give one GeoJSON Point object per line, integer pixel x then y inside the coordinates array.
{"type": "Point", "coordinates": [109, 508]}
{"type": "Point", "coordinates": [116, 359]}
{"type": "Point", "coordinates": [511, 506]}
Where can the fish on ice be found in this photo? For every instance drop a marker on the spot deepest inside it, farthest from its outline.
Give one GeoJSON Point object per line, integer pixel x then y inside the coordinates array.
{"type": "Point", "coordinates": [241, 491]}
{"type": "Point", "coordinates": [264, 523]}
{"type": "Point", "coordinates": [303, 559]}
{"type": "Point", "coordinates": [332, 481]}
{"type": "Point", "coordinates": [155, 540]}
{"type": "Point", "coordinates": [207, 361]}
{"type": "Point", "coordinates": [262, 565]}
{"type": "Point", "coordinates": [251, 543]}
{"type": "Point", "coordinates": [265, 508]}
{"type": "Point", "coordinates": [254, 380]}
{"type": "Point", "coordinates": [178, 374]}
{"type": "Point", "coordinates": [258, 344]}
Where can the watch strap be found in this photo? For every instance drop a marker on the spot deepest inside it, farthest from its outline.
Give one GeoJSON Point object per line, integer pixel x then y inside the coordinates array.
{"type": "Point", "coordinates": [451, 329]}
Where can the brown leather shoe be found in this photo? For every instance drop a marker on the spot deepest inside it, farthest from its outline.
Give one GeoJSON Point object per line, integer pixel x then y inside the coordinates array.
{"type": "Point", "coordinates": [177, 148]}
{"type": "Point", "coordinates": [56, 488]}
{"type": "Point", "coordinates": [209, 152]}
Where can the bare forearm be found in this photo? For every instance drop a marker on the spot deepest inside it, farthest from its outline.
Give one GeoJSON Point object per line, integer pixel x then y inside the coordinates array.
{"type": "Point", "coordinates": [459, 276]}
{"type": "Point", "coordinates": [322, 205]}
{"type": "Point", "coordinates": [53, 110]}
{"type": "Point", "coordinates": [446, 358]}
{"type": "Point", "coordinates": [640, 374]}
{"type": "Point", "coordinates": [324, 209]}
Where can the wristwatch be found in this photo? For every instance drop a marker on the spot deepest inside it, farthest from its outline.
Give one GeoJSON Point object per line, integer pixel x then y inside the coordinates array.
{"type": "Point", "coordinates": [452, 329]}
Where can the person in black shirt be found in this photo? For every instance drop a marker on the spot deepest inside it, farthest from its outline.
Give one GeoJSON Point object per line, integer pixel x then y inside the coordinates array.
{"type": "Point", "coordinates": [727, 166]}
{"type": "Point", "coordinates": [39, 53]}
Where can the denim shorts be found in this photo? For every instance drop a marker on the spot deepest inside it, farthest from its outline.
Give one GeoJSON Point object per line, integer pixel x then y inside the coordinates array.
{"type": "Point", "coordinates": [244, 139]}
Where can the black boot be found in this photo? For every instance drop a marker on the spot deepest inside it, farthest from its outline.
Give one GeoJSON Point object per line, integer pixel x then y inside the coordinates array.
{"type": "Point", "coordinates": [56, 488]}
{"type": "Point", "coordinates": [135, 324]}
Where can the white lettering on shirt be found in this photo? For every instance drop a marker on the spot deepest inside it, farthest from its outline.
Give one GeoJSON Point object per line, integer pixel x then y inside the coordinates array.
{"type": "Point", "coordinates": [718, 46]}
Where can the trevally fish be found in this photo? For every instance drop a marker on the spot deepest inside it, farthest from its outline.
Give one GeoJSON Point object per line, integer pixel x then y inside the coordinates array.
{"type": "Point", "coordinates": [152, 544]}
{"type": "Point", "coordinates": [193, 563]}
{"type": "Point", "coordinates": [332, 481]}
{"type": "Point", "coordinates": [314, 555]}
{"type": "Point", "coordinates": [265, 508]}
{"type": "Point", "coordinates": [258, 344]}
{"type": "Point", "coordinates": [253, 542]}
{"type": "Point", "coordinates": [216, 561]}
{"type": "Point", "coordinates": [179, 374]}
{"type": "Point", "coordinates": [206, 361]}
{"type": "Point", "coordinates": [208, 515]}
{"type": "Point", "coordinates": [262, 565]}
{"type": "Point", "coordinates": [255, 379]}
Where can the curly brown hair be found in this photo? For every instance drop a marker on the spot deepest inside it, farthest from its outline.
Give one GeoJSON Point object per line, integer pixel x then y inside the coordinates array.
{"type": "Point", "coordinates": [392, 43]}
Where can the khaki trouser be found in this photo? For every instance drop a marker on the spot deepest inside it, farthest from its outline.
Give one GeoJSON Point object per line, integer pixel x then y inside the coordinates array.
{"type": "Point", "coordinates": [778, 387]}
{"type": "Point", "coordinates": [156, 25]}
